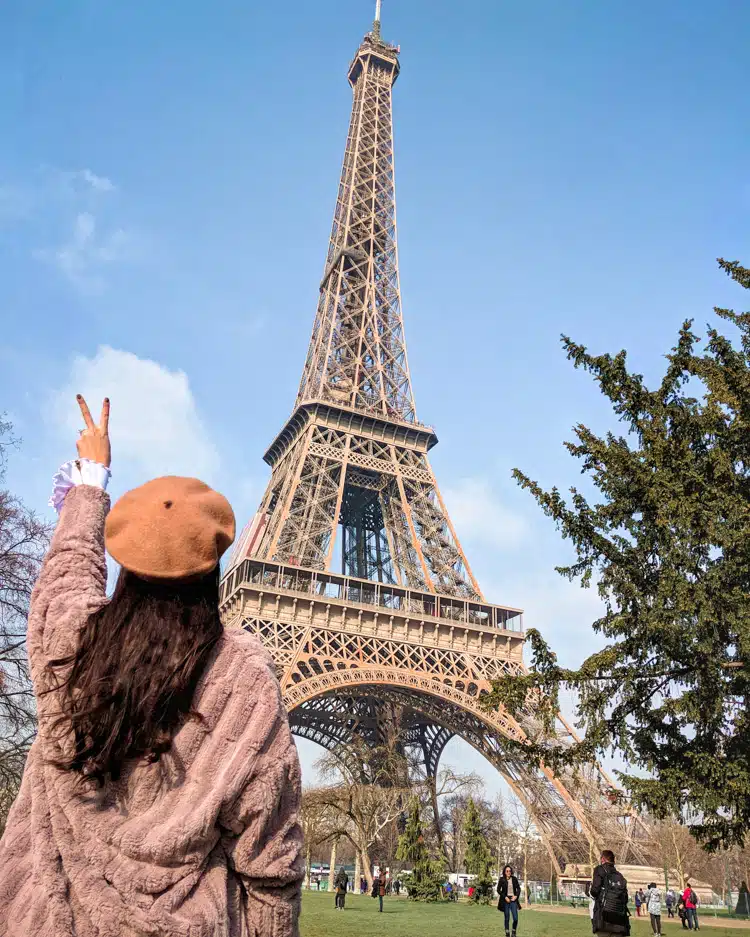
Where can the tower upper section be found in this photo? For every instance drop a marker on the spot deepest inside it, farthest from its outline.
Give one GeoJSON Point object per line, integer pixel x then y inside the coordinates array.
{"type": "Point", "coordinates": [357, 354]}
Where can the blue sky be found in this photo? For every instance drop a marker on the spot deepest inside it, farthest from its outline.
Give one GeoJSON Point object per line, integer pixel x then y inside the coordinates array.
{"type": "Point", "coordinates": [167, 179]}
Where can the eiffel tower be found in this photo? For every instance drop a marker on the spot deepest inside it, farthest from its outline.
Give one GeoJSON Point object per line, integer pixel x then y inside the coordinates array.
{"type": "Point", "coordinates": [351, 572]}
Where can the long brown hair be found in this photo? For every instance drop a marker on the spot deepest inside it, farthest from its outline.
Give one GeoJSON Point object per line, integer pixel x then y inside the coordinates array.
{"type": "Point", "coordinates": [130, 683]}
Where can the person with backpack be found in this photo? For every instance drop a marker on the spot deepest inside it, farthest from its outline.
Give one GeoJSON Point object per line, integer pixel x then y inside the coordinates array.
{"type": "Point", "coordinates": [509, 891]}
{"type": "Point", "coordinates": [690, 900]}
{"type": "Point", "coordinates": [610, 893]}
{"type": "Point", "coordinates": [653, 906]}
{"type": "Point", "coordinates": [342, 883]}
{"type": "Point", "coordinates": [670, 903]}
{"type": "Point", "coordinates": [638, 903]}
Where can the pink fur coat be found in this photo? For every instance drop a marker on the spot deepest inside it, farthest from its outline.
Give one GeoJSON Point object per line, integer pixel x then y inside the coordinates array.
{"type": "Point", "coordinates": [204, 843]}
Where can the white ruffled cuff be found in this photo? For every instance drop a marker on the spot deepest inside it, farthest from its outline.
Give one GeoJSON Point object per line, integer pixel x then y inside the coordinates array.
{"type": "Point", "coordinates": [77, 472]}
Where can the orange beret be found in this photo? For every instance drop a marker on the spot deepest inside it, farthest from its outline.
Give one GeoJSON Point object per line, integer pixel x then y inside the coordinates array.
{"type": "Point", "coordinates": [170, 528]}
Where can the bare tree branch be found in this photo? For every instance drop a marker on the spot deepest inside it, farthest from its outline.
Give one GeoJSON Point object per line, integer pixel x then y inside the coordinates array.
{"type": "Point", "coordinates": [23, 541]}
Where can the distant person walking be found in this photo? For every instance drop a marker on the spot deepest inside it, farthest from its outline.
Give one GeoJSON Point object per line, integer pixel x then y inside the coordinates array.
{"type": "Point", "coordinates": [378, 888]}
{"type": "Point", "coordinates": [509, 891]}
{"type": "Point", "coordinates": [653, 906]}
{"type": "Point", "coordinates": [342, 883]}
{"type": "Point", "coordinates": [669, 901]}
{"type": "Point", "coordinates": [610, 893]}
{"type": "Point", "coordinates": [638, 903]}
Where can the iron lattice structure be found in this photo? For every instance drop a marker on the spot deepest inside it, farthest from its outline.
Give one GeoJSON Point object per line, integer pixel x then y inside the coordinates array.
{"type": "Point", "coordinates": [393, 621]}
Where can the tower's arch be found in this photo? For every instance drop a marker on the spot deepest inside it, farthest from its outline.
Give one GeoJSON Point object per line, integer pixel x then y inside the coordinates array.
{"type": "Point", "coordinates": [334, 708]}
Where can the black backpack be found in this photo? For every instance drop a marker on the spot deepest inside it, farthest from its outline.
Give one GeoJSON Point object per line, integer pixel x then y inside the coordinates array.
{"type": "Point", "coordinates": [693, 898]}
{"type": "Point", "coordinates": [614, 907]}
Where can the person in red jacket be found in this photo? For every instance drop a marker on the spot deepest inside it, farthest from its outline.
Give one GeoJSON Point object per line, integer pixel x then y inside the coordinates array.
{"type": "Point", "coordinates": [691, 907]}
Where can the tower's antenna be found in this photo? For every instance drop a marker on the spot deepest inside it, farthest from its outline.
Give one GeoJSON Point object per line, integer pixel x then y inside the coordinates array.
{"type": "Point", "coordinates": [376, 24]}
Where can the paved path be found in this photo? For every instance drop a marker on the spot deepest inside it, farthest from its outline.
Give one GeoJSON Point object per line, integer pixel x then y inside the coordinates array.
{"type": "Point", "coordinates": [706, 918]}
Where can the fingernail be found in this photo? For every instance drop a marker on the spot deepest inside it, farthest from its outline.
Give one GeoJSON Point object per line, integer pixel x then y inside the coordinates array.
{"type": "Point", "coordinates": [106, 399]}
{"type": "Point", "coordinates": [78, 396]}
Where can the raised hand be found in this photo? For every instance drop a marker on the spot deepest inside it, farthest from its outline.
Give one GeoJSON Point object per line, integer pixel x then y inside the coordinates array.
{"type": "Point", "coordinates": [93, 443]}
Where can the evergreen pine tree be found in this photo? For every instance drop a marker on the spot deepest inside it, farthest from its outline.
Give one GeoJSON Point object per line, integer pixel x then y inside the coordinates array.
{"type": "Point", "coordinates": [425, 881]}
{"type": "Point", "coordinates": [478, 857]}
{"type": "Point", "coordinates": [665, 539]}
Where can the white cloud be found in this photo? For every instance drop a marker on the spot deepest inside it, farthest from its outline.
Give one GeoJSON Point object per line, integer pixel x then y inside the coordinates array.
{"type": "Point", "coordinates": [477, 514]}
{"type": "Point", "coordinates": [87, 253]}
{"type": "Point", "coordinates": [155, 426]}
{"type": "Point", "coordinates": [80, 183]}
{"type": "Point", "coordinates": [80, 202]}
{"type": "Point", "coordinates": [98, 183]}
{"type": "Point", "coordinates": [513, 553]}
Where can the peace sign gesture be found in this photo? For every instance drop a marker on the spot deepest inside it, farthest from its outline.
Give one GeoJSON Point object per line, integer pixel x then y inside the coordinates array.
{"type": "Point", "coordinates": [93, 442]}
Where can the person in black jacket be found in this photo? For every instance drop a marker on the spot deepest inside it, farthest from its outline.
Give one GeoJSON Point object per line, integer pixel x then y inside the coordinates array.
{"type": "Point", "coordinates": [379, 887]}
{"type": "Point", "coordinates": [342, 884]}
{"type": "Point", "coordinates": [510, 894]}
{"type": "Point", "coordinates": [610, 894]}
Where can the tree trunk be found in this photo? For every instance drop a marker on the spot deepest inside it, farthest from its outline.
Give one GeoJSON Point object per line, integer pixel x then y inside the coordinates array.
{"type": "Point", "coordinates": [432, 785]}
{"type": "Point", "coordinates": [308, 863]}
{"type": "Point", "coordinates": [357, 871]}
{"type": "Point", "coordinates": [332, 869]}
{"type": "Point", "coordinates": [367, 867]}
{"type": "Point", "coordinates": [525, 864]}
{"type": "Point", "coordinates": [460, 851]}
{"type": "Point", "coordinates": [678, 859]}
{"type": "Point", "coordinates": [551, 881]}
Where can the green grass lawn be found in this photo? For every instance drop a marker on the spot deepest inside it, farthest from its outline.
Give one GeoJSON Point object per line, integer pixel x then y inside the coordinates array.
{"type": "Point", "coordinates": [402, 918]}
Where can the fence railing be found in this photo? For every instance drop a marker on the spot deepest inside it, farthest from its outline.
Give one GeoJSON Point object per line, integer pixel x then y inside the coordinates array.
{"type": "Point", "coordinates": [315, 583]}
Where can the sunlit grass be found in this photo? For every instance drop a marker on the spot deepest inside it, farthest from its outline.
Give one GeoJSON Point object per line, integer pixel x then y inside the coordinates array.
{"type": "Point", "coordinates": [402, 918]}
